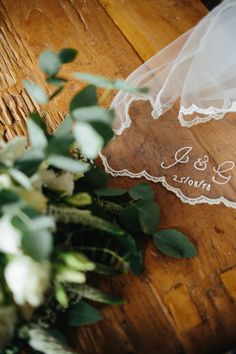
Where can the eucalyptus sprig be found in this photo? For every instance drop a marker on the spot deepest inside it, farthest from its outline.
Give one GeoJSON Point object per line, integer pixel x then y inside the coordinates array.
{"type": "Point", "coordinates": [61, 223]}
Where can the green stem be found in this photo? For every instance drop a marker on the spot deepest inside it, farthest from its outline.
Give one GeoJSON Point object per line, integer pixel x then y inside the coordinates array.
{"type": "Point", "coordinates": [68, 215]}
{"type": "Point", "coordinates": [114, 255]}
{"type": "Point", "coordinates": [109, 206]}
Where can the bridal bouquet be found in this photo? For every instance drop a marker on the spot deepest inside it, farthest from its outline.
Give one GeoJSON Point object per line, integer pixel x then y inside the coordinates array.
{"type": "Point", "coordinates": [60, 224]}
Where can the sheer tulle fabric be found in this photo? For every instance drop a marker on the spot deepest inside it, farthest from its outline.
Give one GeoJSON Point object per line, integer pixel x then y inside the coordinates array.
{"type": "Point", "coordinates": [191, 81]}
{"type": "Point", "coordinates": [199, 69]}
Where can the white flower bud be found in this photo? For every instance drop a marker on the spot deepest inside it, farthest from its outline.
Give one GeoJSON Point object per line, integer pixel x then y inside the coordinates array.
{"type": "Point", "coordinates": [70, 276]}
{"type": "Point", "coordinates": [63, 182]}
{"type": "Point", "coordinates": [5, 181]}
{"type": "Point", "coordinates": [78, 261]}
{"type": "Point", "coordinates": [28, 280]}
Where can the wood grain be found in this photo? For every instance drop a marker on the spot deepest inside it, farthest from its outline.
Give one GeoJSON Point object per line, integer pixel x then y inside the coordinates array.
{"type": "Point", "coordinates": [150, 25]}
{"type": "Point", "coordinates": [176, 307]}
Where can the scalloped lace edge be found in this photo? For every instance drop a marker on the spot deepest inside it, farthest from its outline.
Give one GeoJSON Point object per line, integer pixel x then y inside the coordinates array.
{"type": "Point", "coordinates": [213, 113]}
{"type": "Point", "coordinates": [158, 109]}
{"type": "Point", "coordinates": [177, 191]}
{"type": "Point", "coordinates": [210, 113]}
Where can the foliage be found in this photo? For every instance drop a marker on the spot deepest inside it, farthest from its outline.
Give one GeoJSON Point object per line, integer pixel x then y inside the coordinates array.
{"type": "Point", "coordinates": [60, 221]}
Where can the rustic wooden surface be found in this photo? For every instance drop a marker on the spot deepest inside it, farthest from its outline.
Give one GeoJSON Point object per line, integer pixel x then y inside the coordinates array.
{"type": "Point", "coordinates": [176, 307]}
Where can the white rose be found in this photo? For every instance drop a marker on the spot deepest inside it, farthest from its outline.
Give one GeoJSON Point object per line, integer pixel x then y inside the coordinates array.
{"type": "Point", "coordinates": [63, 182]}
{"type": "Point", "coordinates": [28, 280]}
{"type": "Point", "coordinates": [5, 181]}
{"type": "Point", "coordinates": [7, 323]}
{"type": "Point", "coordinates": [10, 237]}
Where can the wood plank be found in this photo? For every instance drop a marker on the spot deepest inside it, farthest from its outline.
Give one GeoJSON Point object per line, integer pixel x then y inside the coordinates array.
{"type": "Point", "coordinates": [151, 321]}
{"type": "Point", "coordinates": [229, 280]}
{"type": "Point", "coordinates": [150, 25]}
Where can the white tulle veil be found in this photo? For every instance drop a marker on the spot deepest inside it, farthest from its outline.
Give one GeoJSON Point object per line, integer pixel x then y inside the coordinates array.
{"type": "Point", "coordinates": [199, 68]}
{"type": "Point", "coordinates": [196, 72]}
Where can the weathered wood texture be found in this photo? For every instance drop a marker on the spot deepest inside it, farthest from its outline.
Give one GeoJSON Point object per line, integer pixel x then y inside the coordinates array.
{"type": "Point", "coordinates": [183, 306]}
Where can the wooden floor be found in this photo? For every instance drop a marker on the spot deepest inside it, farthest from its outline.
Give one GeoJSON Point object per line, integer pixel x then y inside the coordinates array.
{"type": "Point", "coordinates": [176, 307]}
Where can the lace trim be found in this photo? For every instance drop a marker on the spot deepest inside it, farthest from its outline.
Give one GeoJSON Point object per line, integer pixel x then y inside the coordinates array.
{"type": "Point", "coordinates": [212, 113]}
{"type": "Point", "coordinates": [127, 123]}
{"type": "Point", "coordinates": [158, 109]}
{"type": "Point", "coordinates": [192, 201]}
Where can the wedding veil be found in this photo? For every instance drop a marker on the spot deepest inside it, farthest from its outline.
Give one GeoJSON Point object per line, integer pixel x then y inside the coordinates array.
{"type": "Point", "coordinates": [199, 68]}
{"type": "Point", "coordinates": [160, 135]}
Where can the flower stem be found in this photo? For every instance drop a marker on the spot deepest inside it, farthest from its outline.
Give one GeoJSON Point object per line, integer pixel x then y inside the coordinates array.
{"type": "Point", "coordinates": [69, 215]}
{"type": "Point", "coordinates": [109, 206]}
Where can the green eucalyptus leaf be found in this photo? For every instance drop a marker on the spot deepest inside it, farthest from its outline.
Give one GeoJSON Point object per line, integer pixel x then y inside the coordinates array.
{"type": "Point", "coordinates": [90, 142]}
{"type": "Point", "coordinates": [55, 333]}
{"type": "Point", "coordinates": [67, 163]}
{"type": "Point", "coordinates": [93, 294]}
{"type": "Point", "coordinates": [85, 97]}
{"type": "Point", "coordinates": [129, 218]}
{"type": "Point", "coordinates": [142, 191]}
{"type": "Point", "coordinates": [95, 178]}
{"type": "Point", "coordinates": [101, 81]}
{"type": "Point", "coordinates": [82, 314]}
{"type": "Point", "coordinates": [174, 244]}
{"type": "Point", "coordinates": [36, 92]}
{"type": "Point", "coordinates": [19, 224]}
{"type": "Point", "coordinates": [149, 216]}
{"type": "Point", "coordinates": [39, 121]}
{"type": "Point", "coordinates": [110, 192]}
{"type": "Point", "coordinates": [67, 55]}
{"type": "Point", "coordinates": [42, 222]}
{"type": "Point", "coordinates": [104, 130]}
{"type": "Point", "coordinates": [37, 136]}
{"type": "Point", "coordinates": [49, 62]}
{"type": "Point", "coordinates": [37, 244]}
{"type": "Point", "coordinates": [20, 178]}
{"type": "Point", "coordinates": [65, 127]}
{"type": "Point", "coordinates": [7, 196]}
{"type": "Point", "coordinates": [136, 263]}
{"type": "Point", "coordinates": [31, 212]}
{"type": "Point", "coordinates": [93, 113]}
{"type": "Point", "coordinates": [29, 162]}
{"type": "Point", "coordinates": [59, 145]}
{"type": "Point", "coordinates": [56, 81]}
{"type": "Point", "coordinates": [46, 341]}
